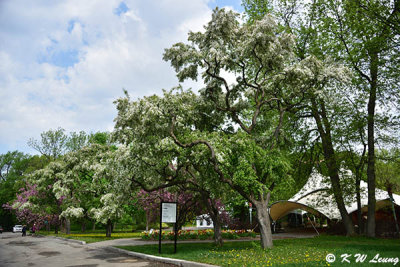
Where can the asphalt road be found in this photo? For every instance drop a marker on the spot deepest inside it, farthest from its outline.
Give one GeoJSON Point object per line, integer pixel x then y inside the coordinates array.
{"type": "Point", "coordinates": [18, 251]}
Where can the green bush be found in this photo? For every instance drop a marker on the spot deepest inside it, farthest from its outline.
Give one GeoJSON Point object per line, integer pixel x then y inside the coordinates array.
{"type": "Point", "coordinates": [197, 234]}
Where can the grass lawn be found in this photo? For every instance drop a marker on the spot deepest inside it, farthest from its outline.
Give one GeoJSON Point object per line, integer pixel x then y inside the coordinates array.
{"type": "Point", "coordinates": [91, 237]}
{"type": "Point", "coordinates": [286, 252]}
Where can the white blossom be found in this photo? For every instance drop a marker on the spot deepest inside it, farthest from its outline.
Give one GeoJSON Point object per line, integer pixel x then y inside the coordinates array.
{"type": "Point", "coordinates": [73, 212]}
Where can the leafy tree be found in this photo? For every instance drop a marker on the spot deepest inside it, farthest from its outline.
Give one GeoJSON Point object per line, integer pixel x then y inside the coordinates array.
{"type": "Point", "coordinates": [76, 141]}
{"type": "Point", "coordinates": [361, 35]}
{"type": "Point", "coordinates": [101, 138]}
{"type": "Point", "coordinates": [55, 143]}
{"type": "Point", "coordinates": [45, 201]}
{"type": "Point", "coordinates": [75, 182]}
{"type": "Point", "coordinates": [388, 175]}
{"type": "Point", "coordinates": [321, 97]}
{"type": "Point", "coordinates": [270, 83]}
{"type": "Point", "coordinates": [369, 47]}
{"type": "Point", "coordinates": [111, 184]}
{"type": "Point", "coordinates": [81, 186]}
{"type": "Point", "coordinates": [153, 161]}
{"type": "Point", "coordinates": [11, 165]}
{"type": "Point", "coordinates": [15, 166]}
{"type": "Point", "coordinates": [26, 212]}
{"type": "Point", "coordinates": [52, 143]}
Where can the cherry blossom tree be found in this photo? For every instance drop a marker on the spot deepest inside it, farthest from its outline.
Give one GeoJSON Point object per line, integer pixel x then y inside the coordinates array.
{"type": "Point", "coordinates": [28, 213]}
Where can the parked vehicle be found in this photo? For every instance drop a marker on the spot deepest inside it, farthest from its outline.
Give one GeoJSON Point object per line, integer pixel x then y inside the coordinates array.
{"type": "Point", "coordinates": [1, 229]}
{"type": "Point", "coordinates": [17, 228]}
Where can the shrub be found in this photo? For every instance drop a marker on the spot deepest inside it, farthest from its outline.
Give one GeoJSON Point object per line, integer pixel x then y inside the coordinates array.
{"type": "Point", "coordinates": [197, 234]}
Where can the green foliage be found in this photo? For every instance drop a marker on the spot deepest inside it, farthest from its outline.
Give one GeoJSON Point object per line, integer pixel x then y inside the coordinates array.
{"type": "Point", "coordinates": [52, 143]}
{"type": "Point", "coordinates": [253, 167]}
{"type": "Point", "coordinates": [388, 170]}
{"type": "Point", "coordinates": [197, 234]}
{"type": "Point", "coordinates": [101, 138]}
{"type": "Point", "coordinates": [76, 141]}
{"type": "Point", "coordinates": [14, 168]}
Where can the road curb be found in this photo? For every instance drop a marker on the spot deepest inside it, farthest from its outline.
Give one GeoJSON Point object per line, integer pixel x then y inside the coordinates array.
{"type": "Point", "coordinates": [176, 262]}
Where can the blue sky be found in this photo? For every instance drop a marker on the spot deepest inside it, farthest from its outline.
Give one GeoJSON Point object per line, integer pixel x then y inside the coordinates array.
{"type": "Point", "coordinates": [63, 63]}
{"type": "Point", "coordinates": [235, 4]}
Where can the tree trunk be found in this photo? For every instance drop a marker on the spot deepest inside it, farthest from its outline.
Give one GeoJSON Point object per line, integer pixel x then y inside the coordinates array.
{"type": "Point", "coordinates": [359, 168]}
{"type": "Point", "coordinates": [218, 234]}
{"type": "Point", "coordinates": [264, 222]}
{"type": "Point", "coordinates": [56, 228]}
{"type": "Point", "coordinates": [394, 212]}
{"type": "Point", "coordinates": [109, 228]}
{"type": "Point", "coordinates": [94, 226]}
{"type": "Point", "coordinates": [324, 130]}
{"type": "Point", "coordinates": [338, 194]}
{"type": "Point", "coordinates": [371, 145]}
{"type": "Point", "coordinates": [62, 225]}
{"type": "Point", "coordinates": [67, 226]}
{"type": "Point", "coordinates": [147, 220]}
{"type": "Point", "coordinates": [83, 226]}
{"type": "Point", "coordinates": [214, 214]}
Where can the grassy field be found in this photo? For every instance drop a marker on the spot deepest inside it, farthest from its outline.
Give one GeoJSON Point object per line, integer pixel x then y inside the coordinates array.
{"type": "Point", "coordinates": [91, 237]}
{"type": "Point", "coordinates": [287, 252]}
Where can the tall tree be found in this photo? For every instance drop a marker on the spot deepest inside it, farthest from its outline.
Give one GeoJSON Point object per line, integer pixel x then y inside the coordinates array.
{"type": "Point", "coordinates": [155, 162]}
{"type": "Point", "coordinates": [45, 201]}
{"type": "Point", "coordinates": [269, 84]}
{"type": "Point", "coordinates": [12, 169]}
{"type": "Point", "coordinates": [52, 143]}
{"type": "Point", "coordinates": [76, 141]}
{"type": "Point", "coordinates": [388, 176]}
{"type": "Point", "coordinates": [15, 167]}
{"type": "Point", "coordinates": [371, 48]}
{"type": "Point", "coordinates": [361, 34]}
{"type": "Point", "coordinates": [76, 184]}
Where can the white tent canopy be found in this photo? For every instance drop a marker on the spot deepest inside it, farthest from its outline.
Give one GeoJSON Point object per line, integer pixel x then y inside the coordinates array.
{"type": "Point", "coordinates": [315, 197]}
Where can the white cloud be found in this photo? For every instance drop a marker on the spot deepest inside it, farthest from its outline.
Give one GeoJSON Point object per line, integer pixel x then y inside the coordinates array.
{"type": "Point", "coordinates": [65, 62]}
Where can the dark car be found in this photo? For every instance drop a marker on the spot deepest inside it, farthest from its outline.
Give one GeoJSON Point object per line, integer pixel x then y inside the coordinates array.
{"type": "Point", "coordinates": [1, 229]}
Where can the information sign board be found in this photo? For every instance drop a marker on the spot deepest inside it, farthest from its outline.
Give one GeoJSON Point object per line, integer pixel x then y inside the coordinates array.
{"type": "Point", "coordinates": [168, 213]}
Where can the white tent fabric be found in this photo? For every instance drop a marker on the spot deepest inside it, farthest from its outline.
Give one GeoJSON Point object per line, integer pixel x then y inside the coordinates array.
{"type": "Point", "coordinates": [315, 195]}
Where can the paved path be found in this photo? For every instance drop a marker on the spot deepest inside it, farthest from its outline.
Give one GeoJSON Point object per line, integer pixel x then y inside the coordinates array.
{"type": "Point", "coordinates": [18, 251]}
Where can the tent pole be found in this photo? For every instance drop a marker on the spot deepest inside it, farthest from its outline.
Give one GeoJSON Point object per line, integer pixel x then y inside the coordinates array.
{"type": "Point", "coordinates": [312, 224]}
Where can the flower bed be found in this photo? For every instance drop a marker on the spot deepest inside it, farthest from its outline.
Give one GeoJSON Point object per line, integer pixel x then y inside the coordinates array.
{"type": "Point", "coordinates": [197, 234]}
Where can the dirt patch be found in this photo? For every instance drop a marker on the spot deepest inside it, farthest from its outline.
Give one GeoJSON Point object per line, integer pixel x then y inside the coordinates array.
{"type": "Point", "coordinates": [49, 253]}
{"type": "Point", "coordinates": [21, 243]}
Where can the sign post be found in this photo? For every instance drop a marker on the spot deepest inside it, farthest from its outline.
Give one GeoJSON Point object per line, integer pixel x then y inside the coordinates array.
{"type": "Point", "coordinates": [168, 214]}
{"type": "Point", "coordinates": [250, 210]}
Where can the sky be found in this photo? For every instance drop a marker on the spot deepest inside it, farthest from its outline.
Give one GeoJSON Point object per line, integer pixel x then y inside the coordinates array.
{"type": "Point", "coordinates": [63, 63]}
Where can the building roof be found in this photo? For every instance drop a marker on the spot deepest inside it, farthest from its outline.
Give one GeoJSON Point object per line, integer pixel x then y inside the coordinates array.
{"type": "Point", "coordinates": [316, 197]}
